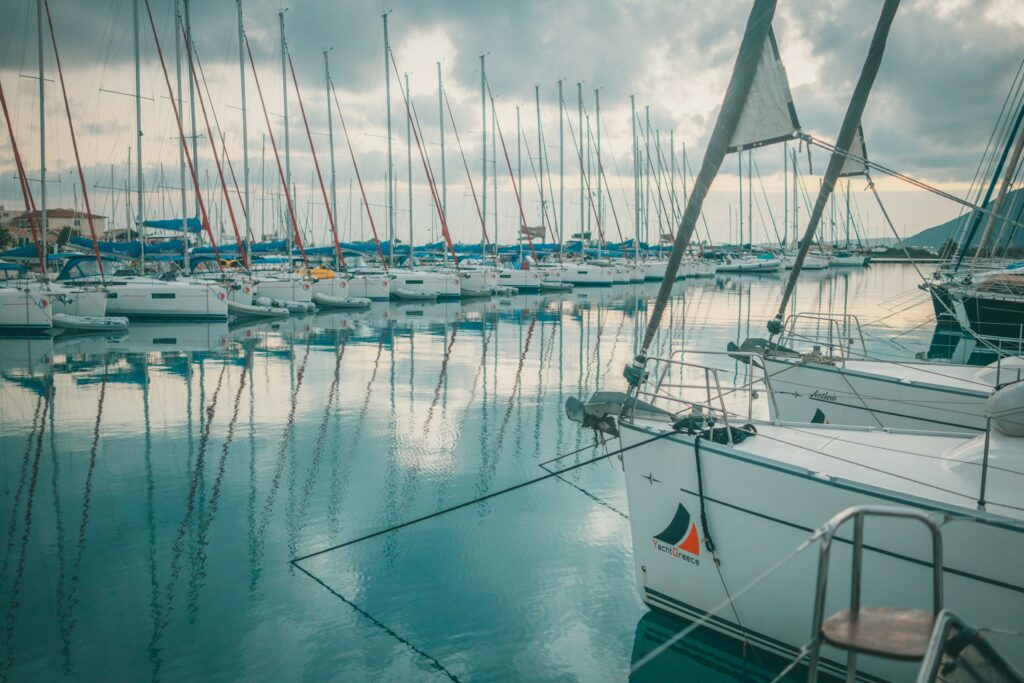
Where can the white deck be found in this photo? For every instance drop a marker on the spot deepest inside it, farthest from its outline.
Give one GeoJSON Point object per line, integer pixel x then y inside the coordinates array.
{"type": "Point", "coordinates": [943, 468]}
{"type": "Point", "coordinates": [966, 377]}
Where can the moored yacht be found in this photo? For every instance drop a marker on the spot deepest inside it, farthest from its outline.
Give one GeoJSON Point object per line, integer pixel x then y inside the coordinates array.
{"type": "Point", "coordinates": [138, 297]}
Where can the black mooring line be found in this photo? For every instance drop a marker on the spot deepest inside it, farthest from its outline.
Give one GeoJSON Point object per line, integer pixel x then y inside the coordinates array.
{"type": "Point", "coordinates": [387, 629]}
{"type": "Point", "coordinates": [480, 499]}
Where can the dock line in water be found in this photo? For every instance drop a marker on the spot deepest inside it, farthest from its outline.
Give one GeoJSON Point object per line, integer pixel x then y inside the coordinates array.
{"type": "Point", "coordinates": [480, 499]}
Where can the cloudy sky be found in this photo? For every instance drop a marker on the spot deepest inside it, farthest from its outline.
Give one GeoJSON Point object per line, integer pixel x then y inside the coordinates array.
{"type": "Point", "coordinates": [947, 69]}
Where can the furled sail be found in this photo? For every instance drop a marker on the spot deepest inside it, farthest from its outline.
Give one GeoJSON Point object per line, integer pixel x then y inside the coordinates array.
{"type": "Point", "coordinates": [768, 114]}
{"type": "Point", "coordinates": [856, 162]}
{"type": "Point", "coordinates": [174, 224]}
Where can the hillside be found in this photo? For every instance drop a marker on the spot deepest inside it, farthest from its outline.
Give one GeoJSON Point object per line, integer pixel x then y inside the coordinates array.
{"type": "Point", "coordinates": [936, 235]}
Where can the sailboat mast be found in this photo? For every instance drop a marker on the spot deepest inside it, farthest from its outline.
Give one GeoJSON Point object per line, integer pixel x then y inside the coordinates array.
{"type": "Point", "coordinates": [600, 170]}
{"type": "Point", "coordinates": [139, 216]}
{"type": "Point", "coordinates": [519, 168]}
{"type": "Point", "coordinates": [181, 148]}
{"type": "Point", "coordinates": [636, 168]}
{"type": "Point", "coordinates": [579, 107]}
{"type": "Point", "coordinates": [672, 175]}
{"type": "Point", "coordinates": [483, 147]}
{"type": "Point", "coordinates": [191, 94]}
{"type": "Point", "coordinates": [43, 218]}
{"type": "Point", "coordinates": [561, 165]}
{"type": "Point", "coordinates": [330, 137]}
{"type": "Point", "coordinates": [647, 171]}
{"type": "Point", "coordinates": [785, 192]}
{"type": "Point", "coordinates": [796, 202]}
{"type": "Point", "coordinates": [408, 167]}
{"type": "Point", "coordinates": [440, 119]}
{"type": "Point", "coordinates": [391, 165]}
{"type": "Point", "coordinates": [739, 172]}
{"type": "Point", "coordinates": [540, 158]}
{"type": "Point", "coordinates": [287, 142]}
{"type": "Point", "coordinates": [245, 134]}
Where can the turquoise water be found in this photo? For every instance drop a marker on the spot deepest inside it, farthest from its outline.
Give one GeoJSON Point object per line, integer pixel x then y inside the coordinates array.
{"type": "Point", "coordinates": [153, 489]}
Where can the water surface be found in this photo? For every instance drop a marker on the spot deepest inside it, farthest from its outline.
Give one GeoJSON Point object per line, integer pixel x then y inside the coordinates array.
{"type": "Point", "coordinates": [154, 487]}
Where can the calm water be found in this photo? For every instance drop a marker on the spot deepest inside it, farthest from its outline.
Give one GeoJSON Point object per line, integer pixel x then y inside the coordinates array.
{"type": "Point", "coordinates": [153, 489]}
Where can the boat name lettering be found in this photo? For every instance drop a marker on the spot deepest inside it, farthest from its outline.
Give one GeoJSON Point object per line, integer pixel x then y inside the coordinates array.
{"type": "Point", "coordinates": [674, 552]}
{"type": "Point", "coordinates": [819, 395]}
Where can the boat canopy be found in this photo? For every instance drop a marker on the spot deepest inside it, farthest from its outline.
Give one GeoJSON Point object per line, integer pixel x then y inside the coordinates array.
{"type": "Point", "coordinates": [193, 224]}
{"type": "Point", "coordinates": [84, 267]}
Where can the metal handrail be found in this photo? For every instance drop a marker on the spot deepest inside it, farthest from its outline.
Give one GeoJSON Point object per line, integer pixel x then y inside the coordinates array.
{"type": "Point", "coordinates": [750, 356]}
{"type": "Point", "coordinates": [945, 624]}
{"type": "Point", "coordinates": [858, 513]}
{"type": "Point", "coordinates": [839, 325]}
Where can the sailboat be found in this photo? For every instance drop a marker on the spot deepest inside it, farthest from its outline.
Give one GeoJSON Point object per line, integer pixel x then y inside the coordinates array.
{"type": "Point", "coordinates": [137, 295]}
{"type": "Point", "coordinates": [701, 464]}
{"type": "Point", "coordinates": [821, 377]}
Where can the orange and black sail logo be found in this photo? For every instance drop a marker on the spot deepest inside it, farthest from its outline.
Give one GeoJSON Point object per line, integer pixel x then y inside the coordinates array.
{"type": "Point", "coordinates": [680, 538]}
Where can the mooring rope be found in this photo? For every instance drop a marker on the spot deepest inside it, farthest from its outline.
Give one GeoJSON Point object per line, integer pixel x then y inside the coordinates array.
{"type": "Point", "coordinates": [480, 499]}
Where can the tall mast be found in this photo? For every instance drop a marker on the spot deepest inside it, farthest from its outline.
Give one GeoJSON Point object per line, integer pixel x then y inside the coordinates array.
{"type": "Point", "coordinates": [494, 176]}
{"type": "Point", "coordinates": [796, 203]}
{"type": "Point", "coordinates": [540, 156]}
{"type": "Point", "coordinates": [391, 166]}
{"type": "Point", "coordinates": [519, 170]}
{"type": "Point", "coordinates": [636, 168]}
{"type": "Point", "coordinates": [750, 196]}
{"type": "Point", "coordinates": [561, 165]}
{"type": "Point", "coordinates": [181, 148]}
{"type": "Point", "coordinates": [785, 193]}
{"type": "Point", "coordinates": [848, 215]}
{"type": "Point", "coordinates": [579, 107]}
{"type": "Point", "coordinates": [139, 216]}
{"type": "Point", "coordinates": [647, 173]}
{"type": "Point", "coordinates": [43, 218]}
{"type": "Point", "coordinates": [483, 165]}
{"type": "Point", "coordinates": [245, 134]}
{"type": "Point", "coordinates": [408, 166]}
{"type": "Point", "coordinates": [739, 173]}
{"type": "Point", "coordinates": [597, 122]}
{"type": "Point", "coordinates": [330, 137]}
{"type": "Point", "coordinates": [191, 93]}
{"type": "Point", "coordinates": [440, 118]}
{"type": "Point", "coordinates": [672, 174]}
{"type": "Point", "coordinates": [287, 142]}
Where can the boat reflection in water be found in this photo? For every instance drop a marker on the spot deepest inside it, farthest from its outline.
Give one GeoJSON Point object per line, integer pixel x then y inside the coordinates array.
{"type": "Point", "coordinates": [703, 655]}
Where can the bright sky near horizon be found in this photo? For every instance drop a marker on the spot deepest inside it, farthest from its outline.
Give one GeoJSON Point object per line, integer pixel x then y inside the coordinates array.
{"type": "Point", "coordinates": [946, 72]}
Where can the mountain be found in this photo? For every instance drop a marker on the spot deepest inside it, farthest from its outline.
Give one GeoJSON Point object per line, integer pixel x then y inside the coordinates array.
{"type": "Point", "coordinates": [936, 235]}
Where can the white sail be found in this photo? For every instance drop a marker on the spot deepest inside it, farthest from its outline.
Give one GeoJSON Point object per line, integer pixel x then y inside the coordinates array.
{"type": "Point", "coordinates": [856, 163]}
{"type": "Point", "coordinates": [768, 112]}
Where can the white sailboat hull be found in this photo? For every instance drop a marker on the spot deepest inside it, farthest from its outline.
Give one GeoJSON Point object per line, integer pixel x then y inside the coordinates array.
{"type": "Point", "coordinates": [586, 276]}
{"type": "Point", "coordinates": [25, 310]}
{"type": "Point", "coordinates": [750, 265]}
{"type": "Point", "coordinates": [424, 284]}
{"type": "Point", "coordinates": [522, 280]}
{"type": "Point", "coordinates": [478, 281]}
{"type": "Point", "coordinates": [654, 270]}
{"type": "Point", "coordinates": [85, 302]}
{"type": "Point", "coordinates": [758, 510]}
{"type": "Point", "coordinates": [811, 262]}
{"type": "Point", "coordinates": [851, 261]}
{"type": "Point", "coordinates": [372, 287]}
{"type": "Point", "coordinates": [143, 298]}
{"type": "Point", "coordinates": [286, 289]}
{"type": "Point", "coordinates": [813, 392]}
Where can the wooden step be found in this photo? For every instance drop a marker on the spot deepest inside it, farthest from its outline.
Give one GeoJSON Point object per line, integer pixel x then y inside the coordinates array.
{"type": "Point", "coordinates": [882, 631]}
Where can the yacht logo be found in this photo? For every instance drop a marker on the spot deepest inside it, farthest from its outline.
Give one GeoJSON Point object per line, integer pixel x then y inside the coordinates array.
{"type": "Point", "coordinates": [679, 539]}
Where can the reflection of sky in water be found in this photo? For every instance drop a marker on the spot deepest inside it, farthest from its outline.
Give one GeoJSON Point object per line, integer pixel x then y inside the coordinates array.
{"type": "Point", "coordinates": [155, 486]}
